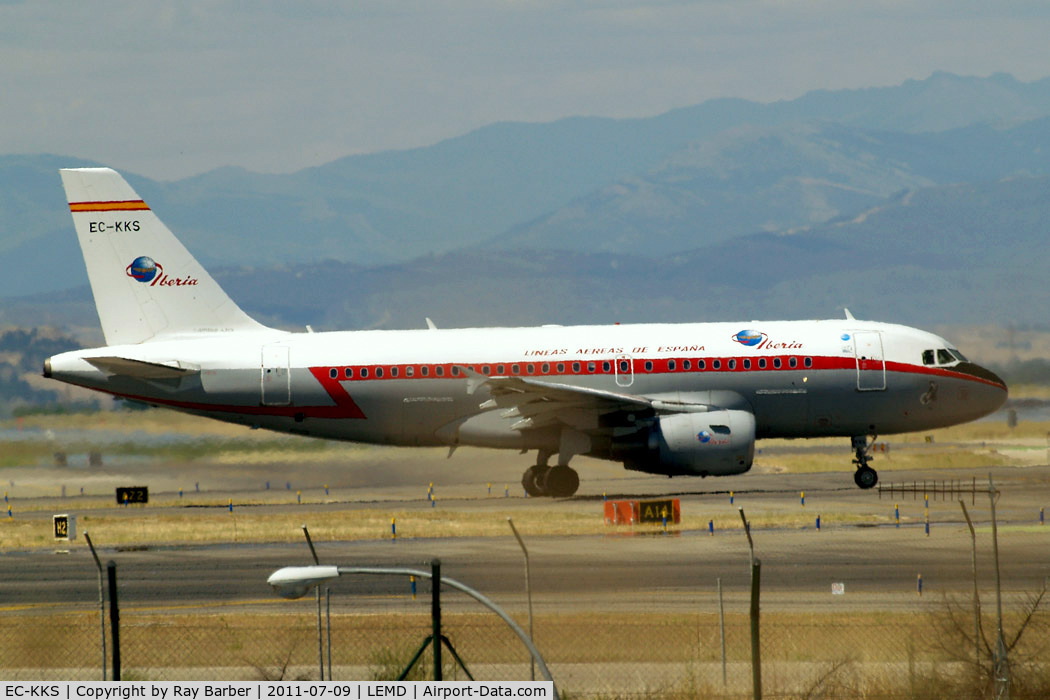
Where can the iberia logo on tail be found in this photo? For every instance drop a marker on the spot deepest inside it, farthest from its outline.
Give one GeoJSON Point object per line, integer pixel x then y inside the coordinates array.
{"type": "Point", "coordinates": [146, 270]}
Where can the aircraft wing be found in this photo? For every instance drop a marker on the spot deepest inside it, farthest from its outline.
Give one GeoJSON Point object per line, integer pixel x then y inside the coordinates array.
{"type": "Point", "coordinates": [536, 403]}
{"type": "Point", "coordinates": [140, 369]}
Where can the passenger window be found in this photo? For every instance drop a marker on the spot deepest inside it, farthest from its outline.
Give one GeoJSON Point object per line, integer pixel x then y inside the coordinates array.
{"type": "Point", "coordinates": [561, 367]}
{"type": "Point", "coordinates": [747, 363]}
{"type": "Point", "coordinates": [944, 357]}
{"type": "Point", "coordinates": [530, 369]}
{"type": "Point", "coordinates": [348, 373]}
{"type": "Point", "coordinates": [545, 368]}
{"type": "Point", "coordinates": [686, 365]}
{"type": "Point", "coordinates": [410, 371]}
{"type": "Point", "coordinates": [439, 371]}
{"type": "Point", "coordinates": [761, 363]}
{"type": "Point", "coordinates": [515, 369]}
{"type": "Point", "coordinates": [455, 371]}
{"type": "Point", "coordinates": [793, 362]}
{"type": "Point", "coordinates": [364, 372]}
{"type": "Point", "coordinates": [590, 367]}
{"type": "Point", "coordinates": [624, 367]}
{"type": "Point", "coordinates": [671, 365]}
{"type": "Point", "coordinates": [776, 363]}
{"type": "Point", "coordinates": [606, 366]}
{"type": "Point", "coordinates": [716, 364]}
{"type": "Point", "coordinates": [333, 373]}
{"type": "Point", "coordinates": [648, 365]}
{"type": "Point", "coordinates": [424, 370]}
{"type": "Point", "coordinates": [500, 369]}
{"type": "Point", "coordinates": [393, 371]}
{"type": "Point", "coordinates": [379, 372]}
{"type": "Point", "coordinates": [732, 364]}
{"type": "Point", "coordinates": [486, 370]}
{"type": "Point", "coordinates": [701, 364]}
{"type": "Point", "coordinates": [808, 362]}
{"type": "Point", "coordinates": [576, 367]}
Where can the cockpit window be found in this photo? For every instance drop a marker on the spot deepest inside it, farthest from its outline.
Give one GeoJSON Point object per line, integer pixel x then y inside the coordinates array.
{"type": "Point", "coordinates": [958, 355]}
{"type": "Point", "coordinates": [944, 357]}
{"type": "Point", "coordinates": [927, 357]}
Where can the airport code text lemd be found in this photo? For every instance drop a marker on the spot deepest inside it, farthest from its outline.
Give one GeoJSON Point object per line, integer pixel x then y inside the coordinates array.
{"type": "Point", "coordinates": [262, 690]}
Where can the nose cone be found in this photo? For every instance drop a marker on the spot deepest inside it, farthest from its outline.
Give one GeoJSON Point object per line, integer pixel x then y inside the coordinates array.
{"type": "Point", "coordinates": [990, 392]}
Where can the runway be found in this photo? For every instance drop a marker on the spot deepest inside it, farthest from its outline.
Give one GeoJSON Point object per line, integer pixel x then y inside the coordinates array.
{"type": "Point", "coordinates": [878, 564]}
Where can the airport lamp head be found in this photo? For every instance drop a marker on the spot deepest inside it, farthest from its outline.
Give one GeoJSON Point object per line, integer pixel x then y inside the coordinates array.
{"type": "Point", "coordinates": [296, 581]}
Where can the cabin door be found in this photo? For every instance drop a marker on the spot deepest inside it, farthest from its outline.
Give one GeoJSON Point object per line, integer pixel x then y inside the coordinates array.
{"type": "Point", "coordinates": [276, 379]}
{"type": "Point", "coordinates": [871, 364]}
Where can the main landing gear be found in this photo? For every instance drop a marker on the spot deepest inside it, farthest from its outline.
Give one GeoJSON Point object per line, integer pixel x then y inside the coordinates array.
{"type": "Point", "coordinates": [865, 477]}
{"type": "Point", "coordinates": [558, 482]}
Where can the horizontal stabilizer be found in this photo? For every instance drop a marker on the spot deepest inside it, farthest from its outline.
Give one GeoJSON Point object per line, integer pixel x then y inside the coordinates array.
{"type": "Point", "coordinates": [138, 369]}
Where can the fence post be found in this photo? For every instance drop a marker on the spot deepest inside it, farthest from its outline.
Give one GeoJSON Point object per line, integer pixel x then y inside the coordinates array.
{"type": "Point", "coordinates": [317, 594]}
{"type": "Point", "coordinates": [976, 598]}
{"type": "Point", "coordinates": [435, 615]}
{"type": "Point", "coordinates": [1002, 663]}
{"type": "Point", "coordinates": [114, 616]}
{"type": "Point", "coordinates": [756, 585]}
{"type": "Point", "coordinates": [722, 631]}
{"type": "Point", "coordinates": [328, 626]}
{"type": "Point", "coordinates": [101, 601]}
{"type": "Point", "coordinates": [528, 592]}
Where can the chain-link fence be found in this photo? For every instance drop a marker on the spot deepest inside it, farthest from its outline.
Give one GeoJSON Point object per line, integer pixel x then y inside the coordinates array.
{"type": "Point", "coordinates": [804, 655]}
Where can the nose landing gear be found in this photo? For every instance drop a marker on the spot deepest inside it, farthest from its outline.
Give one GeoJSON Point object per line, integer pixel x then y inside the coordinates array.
{"type": "Point", "coordinates": [865, 477]}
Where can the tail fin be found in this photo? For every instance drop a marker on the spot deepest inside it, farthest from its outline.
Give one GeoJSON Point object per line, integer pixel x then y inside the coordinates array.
{"type": "Point", "coordinates": [146, 284]}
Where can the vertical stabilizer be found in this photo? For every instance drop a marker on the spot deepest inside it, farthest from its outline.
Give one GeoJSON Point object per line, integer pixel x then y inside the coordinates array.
{"type": "Point", "coordinates": [146, 284]}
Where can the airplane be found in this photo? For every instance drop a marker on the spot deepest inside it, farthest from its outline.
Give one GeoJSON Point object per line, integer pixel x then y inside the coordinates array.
{"type": "Point", "coordinates": [669, 399]}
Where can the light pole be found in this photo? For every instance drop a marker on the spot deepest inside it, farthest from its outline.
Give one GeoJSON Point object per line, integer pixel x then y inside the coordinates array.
{"type": "Point", "coordinates": [296, 581]}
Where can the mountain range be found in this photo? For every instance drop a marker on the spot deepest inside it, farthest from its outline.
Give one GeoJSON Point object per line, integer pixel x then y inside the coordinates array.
{"type": "Point", "coordinates": [923, 202]}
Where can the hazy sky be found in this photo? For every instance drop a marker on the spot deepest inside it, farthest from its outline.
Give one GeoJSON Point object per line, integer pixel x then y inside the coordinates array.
{"type": "Point", "coordinates": [172, 89]}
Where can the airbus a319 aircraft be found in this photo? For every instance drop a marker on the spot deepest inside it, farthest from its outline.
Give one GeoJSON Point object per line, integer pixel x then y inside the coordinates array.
{"type": "Point", "coordinates": [673, 399]}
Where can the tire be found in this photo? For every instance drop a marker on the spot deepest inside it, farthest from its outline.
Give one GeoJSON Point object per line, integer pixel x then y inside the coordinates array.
{"type": "Point", "coordinates": [866, 477]}
{"type": "Point", "coordinates": [532, 479]}
{"type": "Point", "coordinates": [561, 482]}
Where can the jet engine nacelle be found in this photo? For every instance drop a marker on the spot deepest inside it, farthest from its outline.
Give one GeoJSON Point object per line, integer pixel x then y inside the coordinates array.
{"type": "Point", "coordinates": [701, 444]}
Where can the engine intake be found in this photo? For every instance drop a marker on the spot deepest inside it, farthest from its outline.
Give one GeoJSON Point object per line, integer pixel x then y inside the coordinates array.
{"type": "Point", "coordinates": [700, 444]}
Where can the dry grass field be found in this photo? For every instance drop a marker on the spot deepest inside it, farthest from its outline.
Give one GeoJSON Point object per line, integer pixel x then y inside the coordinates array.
{"type": "Point", "coordinates": [874, 655]}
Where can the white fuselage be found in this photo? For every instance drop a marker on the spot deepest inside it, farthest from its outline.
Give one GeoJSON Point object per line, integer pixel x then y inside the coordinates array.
{"type": "Point", "coordinates": [799, 379]}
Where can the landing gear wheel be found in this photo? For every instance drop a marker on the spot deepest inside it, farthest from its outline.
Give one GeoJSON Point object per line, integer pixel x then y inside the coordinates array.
{"type": "Point", "coordinates": [533, 478]}
{"type": "Point", "coordinates": [561, 482]}
{"type": "Point", "coordinates": [866, 477]}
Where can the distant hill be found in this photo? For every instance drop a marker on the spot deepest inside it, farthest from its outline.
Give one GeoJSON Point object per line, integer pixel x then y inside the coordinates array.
{"type": "Point", "coordinates": [752, 179]}
{"type": "Point", "coordinates": [678, 181]}
{"type": "Point", "coordinates": [22, 353]}
{"type": "Point", "coordinates": [969, 253]}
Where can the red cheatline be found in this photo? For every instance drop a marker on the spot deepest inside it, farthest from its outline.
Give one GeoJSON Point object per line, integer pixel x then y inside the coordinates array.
{"type": "Point", "coordinates": [128, 205]}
